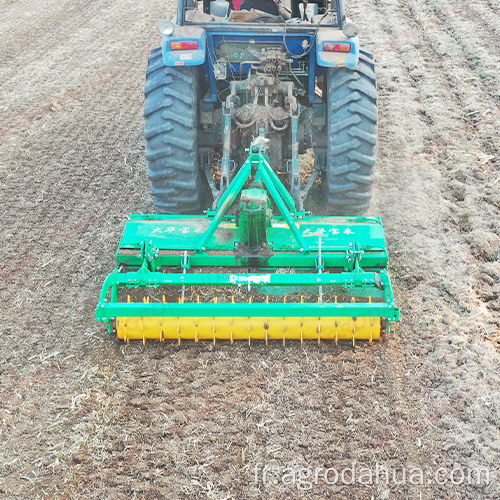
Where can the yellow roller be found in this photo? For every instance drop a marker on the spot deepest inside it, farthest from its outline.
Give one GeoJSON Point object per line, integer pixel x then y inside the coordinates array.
{"type": "Point", "coordinates": [242, 328]}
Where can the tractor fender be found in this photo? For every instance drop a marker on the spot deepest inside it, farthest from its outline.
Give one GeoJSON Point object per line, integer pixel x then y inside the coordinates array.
{"type": "Point", "coordinates": [338, 59]}
{"type": "Point", "coordinates": [173, 56]}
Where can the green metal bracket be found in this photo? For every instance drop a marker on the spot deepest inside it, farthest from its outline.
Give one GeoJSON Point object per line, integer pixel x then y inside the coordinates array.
{"type": "Point", "coordinates": [258, 163]}
{"type": "Point", "coordinates": [149, 256]}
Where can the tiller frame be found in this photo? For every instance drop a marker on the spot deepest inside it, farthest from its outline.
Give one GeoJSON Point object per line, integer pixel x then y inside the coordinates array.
{"type": "Point", "coordinates": [331, 257]}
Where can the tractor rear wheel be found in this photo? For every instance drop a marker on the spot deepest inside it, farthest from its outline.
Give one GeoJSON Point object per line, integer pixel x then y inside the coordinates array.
{"type": "Point", "coordinates": [352, 137]}
{"type": "Point", "coordinates": [171, 127]}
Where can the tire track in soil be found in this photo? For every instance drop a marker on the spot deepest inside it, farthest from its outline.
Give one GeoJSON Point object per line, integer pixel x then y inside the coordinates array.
{"type": "Point", "coordinates": [466, 34]}
{"type": "Point", "coordinates": [143, 421]}
{"type": "Point", "coordinates": [395, 20]}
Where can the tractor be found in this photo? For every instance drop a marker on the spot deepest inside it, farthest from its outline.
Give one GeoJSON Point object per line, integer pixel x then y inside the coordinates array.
{"type": "Point", "coordinates": [292, 73]}
{"type": "Point", "coordinates": [236, 96]}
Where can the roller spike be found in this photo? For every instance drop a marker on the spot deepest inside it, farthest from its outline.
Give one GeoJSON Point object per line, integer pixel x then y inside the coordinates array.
{"type": "Point", "coordinates": [232, 299]}
{"type": "Point", "coordinates": [267, 299]}
{"type": "Point", "coordinates": [164, 299]}
{"type": "Point", "coordinates": [249, 300]}
{"type": "Point", "coordinates": [179, 341]}
{"type": "Point", "coordinates": [232, 339]}
{"type": "Point", "coordinates": [216, 300]}
{"type": "Point", "coordinates": [144, 340]}
{"type": "Point", "coordinates": [372, 321]}
{"type": "Point", "coordinates": [249, 341]}
{"type": "Point", "coordinates": [353, 300]}
{"type": "Point", "coordinates": [301, 299]}
{"type": "Point", "coordinates": [284, 341]}
{"type": "Point", "coordinates": [301, 337]}
{"type": "Point", "coordinates": [267, 339]}
{"type": "Point", "coordinates": [128, 299]}
{"type": "Point", "coordinates": [196, 336]}
{"type": "Point", "coordinates": [336, 299]}
{"type": "Point", "coordinates": [198, 299]}
{"type": "Point", "coordinates": [284, 299]}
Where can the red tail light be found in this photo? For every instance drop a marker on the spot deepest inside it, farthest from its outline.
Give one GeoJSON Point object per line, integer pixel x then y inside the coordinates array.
{"type": "Point", "coordinates": [336, 47]}
{"type": "Point", "coordinates": [186, 45]}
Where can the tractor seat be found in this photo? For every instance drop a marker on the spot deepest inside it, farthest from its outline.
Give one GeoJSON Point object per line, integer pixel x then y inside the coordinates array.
{"type": "Point", "coordinates": [268, 6]}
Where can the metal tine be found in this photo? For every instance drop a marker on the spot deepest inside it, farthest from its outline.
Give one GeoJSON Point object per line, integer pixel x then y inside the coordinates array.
{"type": "Point", "coordinates": [353, 300]}
{"type": "Point", "coordinates": [216, 300]}
{"type": "Point", "coordinates": [301, 319]}
{"type": "Point", "coordinates": [184, 270]}
{"type": "Point", "coordinates": [320, 269]}
{"type": "Point", "coordinates": [336, 325]}
{"type": "Point", "coordinates": [249, 325]}
{"type": "Point", "coordinates": [196, 319]}
{"type": "Point", "coordinates": [231, 319]}
{"type": "Point", "coordinates": [266, 324]}
{"type": "Point", "coordinates": [371, 321]}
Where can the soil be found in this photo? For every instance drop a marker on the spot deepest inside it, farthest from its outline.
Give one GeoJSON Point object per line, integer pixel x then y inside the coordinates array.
{"type": "Point", "coordinates": [83, 415]}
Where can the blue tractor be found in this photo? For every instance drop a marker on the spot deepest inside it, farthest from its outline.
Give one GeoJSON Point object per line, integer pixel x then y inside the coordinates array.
{"type": "Point", "coordinates": [236, 92]}
{"type": "Point", "coordinates": [288, 73]}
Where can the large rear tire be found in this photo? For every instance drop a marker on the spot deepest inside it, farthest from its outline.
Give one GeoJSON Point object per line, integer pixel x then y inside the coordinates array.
{"type": "Point", "coordinates": [352, 137]}
{"type": "Point", "coordinates": [171, 127]}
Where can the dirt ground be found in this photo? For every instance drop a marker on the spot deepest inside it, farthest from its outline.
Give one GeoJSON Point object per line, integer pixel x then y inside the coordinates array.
{"type": "Point", "coordinates": [85, 416]}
